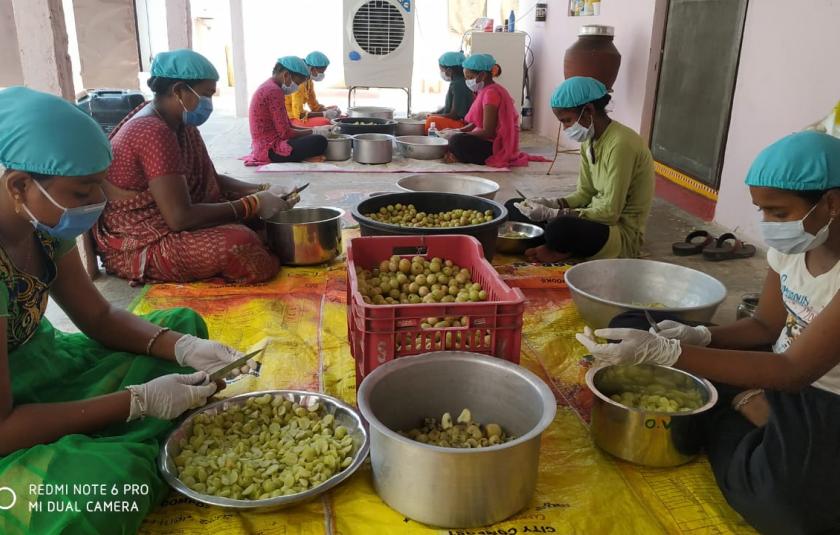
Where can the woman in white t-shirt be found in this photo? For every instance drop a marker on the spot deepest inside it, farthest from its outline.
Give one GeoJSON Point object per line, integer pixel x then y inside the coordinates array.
{"type": "Point", "coordinates": [774, 441]}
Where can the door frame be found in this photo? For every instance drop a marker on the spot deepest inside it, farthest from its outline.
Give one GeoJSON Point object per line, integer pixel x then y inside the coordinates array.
{"type": "Point", "coordinates": [676, 176]}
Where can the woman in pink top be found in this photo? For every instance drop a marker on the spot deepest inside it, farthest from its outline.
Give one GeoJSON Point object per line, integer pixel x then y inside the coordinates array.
{"type": "Point", "coordinates": [273, 137]}
{"type": "Point", "coordinates": [491, 136]}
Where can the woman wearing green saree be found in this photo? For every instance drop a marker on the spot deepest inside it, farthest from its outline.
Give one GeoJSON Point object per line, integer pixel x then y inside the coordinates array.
{"type": "Point", "coordinates": [79, 413]}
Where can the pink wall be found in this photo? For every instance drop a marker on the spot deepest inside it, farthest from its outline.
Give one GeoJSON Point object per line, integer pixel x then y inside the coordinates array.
{"type": "Point", "coordinates": [788, 78]}
{"type": "Point", "coordinates": [634, 29]}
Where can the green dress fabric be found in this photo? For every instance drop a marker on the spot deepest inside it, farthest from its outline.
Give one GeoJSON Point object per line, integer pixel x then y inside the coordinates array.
{"type": "Point", "coordinates": [459, 98]}
{"type": "Point", "coordinates": [51, 366]}
{"type": "Point", "coordinates": [617, 189]}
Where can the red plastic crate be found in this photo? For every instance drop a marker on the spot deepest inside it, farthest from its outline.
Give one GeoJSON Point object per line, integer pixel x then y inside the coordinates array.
{"type": "Point", "coordinates": [380, 333]}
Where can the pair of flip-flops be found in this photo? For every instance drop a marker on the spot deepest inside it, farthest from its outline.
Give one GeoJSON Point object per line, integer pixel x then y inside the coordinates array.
{"type": "Point", "coordinates": [726, 247]}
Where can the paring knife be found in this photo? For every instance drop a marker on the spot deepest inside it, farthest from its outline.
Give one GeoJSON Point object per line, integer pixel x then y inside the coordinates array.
{"type": "Point", "coordinates": [520, 193]}
{"type": "Point", "coordinates": [653, 324]}
{"type": "Point", "coordinates": [238, 363]}
{"type": "Point", "coordinates": [296, 191]}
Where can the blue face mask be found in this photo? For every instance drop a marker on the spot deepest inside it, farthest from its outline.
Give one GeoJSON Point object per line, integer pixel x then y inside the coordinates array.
{"type": "Point", "coordinates": [200, 114]}
{"type": "Point", "coordinates": [73, 222]}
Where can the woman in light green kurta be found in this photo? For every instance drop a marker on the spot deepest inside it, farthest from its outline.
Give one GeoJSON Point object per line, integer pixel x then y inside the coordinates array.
{"type": "Point", "coordinates": [78, 412]}
{"type": "Point", "coordinates": [606, 216]}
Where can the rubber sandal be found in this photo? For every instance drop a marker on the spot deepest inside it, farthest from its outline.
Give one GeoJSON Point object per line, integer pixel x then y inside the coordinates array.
{"type": "Point", "coordinates": [690, 246]}
{"type": "Point", "coordinates": [724, 250]}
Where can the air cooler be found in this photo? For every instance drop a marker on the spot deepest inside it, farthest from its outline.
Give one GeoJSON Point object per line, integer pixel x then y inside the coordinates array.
{"type": "Point", "coordinates": [378, 43]}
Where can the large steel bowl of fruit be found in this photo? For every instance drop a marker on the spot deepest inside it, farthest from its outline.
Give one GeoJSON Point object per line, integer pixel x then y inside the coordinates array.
{"type": "Point", "coordinates": [648, 414]}
{"type": "Point", "coordinates": [400, 214]}
{"type": "Point", "coordinates": [437, 463]}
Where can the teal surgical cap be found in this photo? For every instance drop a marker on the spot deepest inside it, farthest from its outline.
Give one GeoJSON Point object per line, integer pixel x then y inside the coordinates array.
{"type": "Point", "coordinates": [45, 134]}
{"type": "Point", "coordinates": [480, 62]}
{"type": "Point", "coordinates": [319, 60]}
{"type": "Point", "coordinates": [577, 91]}
{"type": "Point", "coordinates": [294, 64]}
{"type": "Point", "coordinates": [184, 64]}
{"type": "Point", "coordinates": [451, 59]}
{"type": "Point", "coordinates": [805, 161]}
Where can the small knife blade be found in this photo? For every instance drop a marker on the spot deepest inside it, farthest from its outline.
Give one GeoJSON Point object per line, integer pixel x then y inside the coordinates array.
{"type": "Point", "coordinates": [520, 193]}
{"type": "Point", "coordinates": [238, 363]}
{"type": "Point", "coordinates": [653, 324]}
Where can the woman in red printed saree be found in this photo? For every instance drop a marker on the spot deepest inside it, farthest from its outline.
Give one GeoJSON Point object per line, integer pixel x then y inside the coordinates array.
{"type": "Point", "coordinates": [170, 217]}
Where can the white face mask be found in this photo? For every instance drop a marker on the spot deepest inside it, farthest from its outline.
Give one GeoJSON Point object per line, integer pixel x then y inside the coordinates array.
{"type": "Point", "coordinates": [474, 85]}
{"type": "Point", "coordinates": [578, 132]}
{"type": "Point", "coordinates": [790, 237]}
{"type": "Point", "coordinates": [289, 89]}
{"type": "Point", "coordinates": [318, 76]}
{"type": "Point", "coordinates": [445, 77]}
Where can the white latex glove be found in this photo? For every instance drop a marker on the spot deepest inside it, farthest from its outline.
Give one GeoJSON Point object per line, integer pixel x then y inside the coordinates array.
{"type": "Point", "coordinates": [324, 130]}
{"type": "Point", "coordinates": [551, 203]}
{"type": "Point", "coordinates": [169, 396]}
{"type": "Point", "coordinates": [271, 203]}
{"type": "Point", "coordinates": [634, 347]}
{"type": "Point", "coordinates": [692, 336]}
{"type": "Point", "coordinates": [332, 113]}
{"type": "Point", "coordinates": [207, 355]}
{"type": "Point", "coordinates": [536, 212]}
{"type": "Point", "coordinates": [447, 133]}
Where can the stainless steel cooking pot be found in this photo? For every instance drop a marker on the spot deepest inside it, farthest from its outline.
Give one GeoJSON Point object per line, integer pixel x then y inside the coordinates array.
{"type": "Point", "coordinates": [339, 147]}
{"type": "Point", "coordinates": [650, 438]}
{"type": "Point", "coordinates": [411, 127]}
{"type": "Point", "coordinates": [377, 112]}
{"type": "Point", "coordinates": [450, 487]}
{"type": "Point", "coordinates": [373, 148]}
{"type": "Point", "coordinates": [305, 236]}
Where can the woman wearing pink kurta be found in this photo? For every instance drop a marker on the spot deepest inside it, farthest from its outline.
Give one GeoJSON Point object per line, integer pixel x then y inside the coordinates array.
{"type": "Point", "coordinates": [491, 136]}
{"type": "Point", "coordinates": [273, 137]}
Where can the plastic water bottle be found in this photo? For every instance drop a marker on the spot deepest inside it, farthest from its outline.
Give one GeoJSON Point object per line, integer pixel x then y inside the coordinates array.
{"type": "Point", "coordinates": [511, 22]}
{"type": "Point", "coordinates": [433, 131]}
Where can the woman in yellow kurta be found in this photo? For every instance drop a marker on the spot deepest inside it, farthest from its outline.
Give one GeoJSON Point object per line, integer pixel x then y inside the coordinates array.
{"type": "Point", "coordinates": [318, 114]}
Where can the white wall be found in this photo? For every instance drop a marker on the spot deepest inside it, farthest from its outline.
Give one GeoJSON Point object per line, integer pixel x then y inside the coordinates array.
{"type": "Point", "coordinates": [634, 30]}
{"type": "Point", "coordinates": [788, 77]}
{"type": "Point", "coordinates": [10, 71]}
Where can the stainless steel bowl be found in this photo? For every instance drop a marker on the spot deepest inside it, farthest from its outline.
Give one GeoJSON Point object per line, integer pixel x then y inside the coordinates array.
{"type": "Point", "coordinates": [646, 437]}
{"type": "Point", "coordinates": [339, 147]}
{"type": "Point", "coordinates": [422, 147]}
{"type": "Point", "coordinates": [411, 127]}
{"type": "Point", "coordinates": [450, 183]}
{"type": "Point", "coordinates": [373, 148]}
{"type": "Point", "coordinates": [602, 289]}
{"type": "Point", "coordinates": [518, 245]}
{"type": "Point", "coordinates": [376, 112]}
{"type": "Point", "coordinates": [344, 415]}
{"type": "Point", "coordinates": [305, 236]}
{"type": "Point", "coordinates": [451, 487]}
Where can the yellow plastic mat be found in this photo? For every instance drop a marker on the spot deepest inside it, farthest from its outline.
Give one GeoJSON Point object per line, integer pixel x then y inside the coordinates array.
{"type": "Point", "coordinates": [580, 490]}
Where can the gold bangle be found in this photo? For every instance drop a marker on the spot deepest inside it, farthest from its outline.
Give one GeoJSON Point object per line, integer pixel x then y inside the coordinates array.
{"type": "Point", "coordinates": [155, 338]}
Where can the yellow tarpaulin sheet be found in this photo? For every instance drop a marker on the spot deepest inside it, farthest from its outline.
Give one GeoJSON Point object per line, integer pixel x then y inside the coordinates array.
{"type": "Point", "coordinates": [580, 490]}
